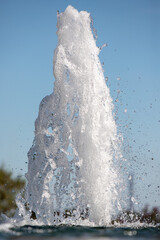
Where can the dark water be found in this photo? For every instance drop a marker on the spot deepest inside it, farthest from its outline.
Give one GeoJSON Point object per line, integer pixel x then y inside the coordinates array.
{"type": "Point", "coordinates": [28, 232]}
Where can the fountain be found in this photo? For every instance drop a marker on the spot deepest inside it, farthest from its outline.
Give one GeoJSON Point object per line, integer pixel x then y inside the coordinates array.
{"type": "Point", "coordinates": [71, 175]}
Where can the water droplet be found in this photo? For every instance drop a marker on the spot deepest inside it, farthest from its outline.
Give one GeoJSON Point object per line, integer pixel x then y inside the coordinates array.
{"type": "Point", "coordinates": [50, 130]}
{"type": "Point", "coordinates": [106, 79]}
{"type": "Point", "coordinates": [130, 177]}
{"type": "Point", "coordinates": [134, 200]}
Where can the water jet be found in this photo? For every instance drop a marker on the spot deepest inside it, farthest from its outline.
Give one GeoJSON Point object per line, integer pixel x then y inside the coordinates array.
{"type": "Point", "coordinates": [71, 171]}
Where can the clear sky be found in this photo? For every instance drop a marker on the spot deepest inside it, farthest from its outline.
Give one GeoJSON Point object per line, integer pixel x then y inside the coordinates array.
{"type": "Point", "coordinates": [131, 30]}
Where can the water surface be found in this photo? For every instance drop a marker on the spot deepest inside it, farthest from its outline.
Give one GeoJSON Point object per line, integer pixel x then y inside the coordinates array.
{"type": "Point", "coordinates": [77, 232]}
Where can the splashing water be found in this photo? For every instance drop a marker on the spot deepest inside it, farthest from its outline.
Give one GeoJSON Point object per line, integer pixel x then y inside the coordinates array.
{"type": "Point", "coordinates": [71, 171]}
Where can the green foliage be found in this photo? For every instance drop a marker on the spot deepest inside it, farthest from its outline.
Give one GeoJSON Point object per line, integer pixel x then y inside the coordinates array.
{"type": "Point", "coordinates": [9, 187]}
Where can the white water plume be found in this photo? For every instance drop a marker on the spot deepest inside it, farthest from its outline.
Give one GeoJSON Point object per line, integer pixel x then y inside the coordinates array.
{"type": "Point", "coordinates": [71, 171]}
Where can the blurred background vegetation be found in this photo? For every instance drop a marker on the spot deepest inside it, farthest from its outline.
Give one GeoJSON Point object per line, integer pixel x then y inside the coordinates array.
{"type": "Point", "coordinates": [147, 216]}
{"type": "Point", "coordinates": [9, 187]}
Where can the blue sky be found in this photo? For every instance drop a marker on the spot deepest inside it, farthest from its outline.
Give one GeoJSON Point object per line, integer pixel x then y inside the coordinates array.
{"type": "Point", "coordinates": [27, 43]}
